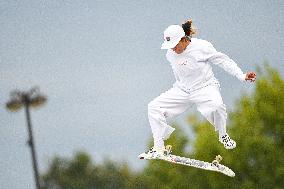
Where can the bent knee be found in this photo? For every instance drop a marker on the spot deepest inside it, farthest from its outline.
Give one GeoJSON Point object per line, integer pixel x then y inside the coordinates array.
{"type": "Point", "coordinates": [212, 107]}
{"type": "Point", "coordinates": [217, 105]}
{"type": "Point", "coordinates": [153, 106]}
{"type": "Point", "coordinates": [220, 106]}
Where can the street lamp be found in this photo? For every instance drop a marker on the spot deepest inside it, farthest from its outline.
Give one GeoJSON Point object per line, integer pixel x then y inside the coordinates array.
{"type": "Point", "coordinates": [32, 98]}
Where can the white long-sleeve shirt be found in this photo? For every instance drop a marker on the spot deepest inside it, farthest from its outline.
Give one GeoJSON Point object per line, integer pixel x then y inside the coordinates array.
{"type": "Point", "coordinates": [192, 67]}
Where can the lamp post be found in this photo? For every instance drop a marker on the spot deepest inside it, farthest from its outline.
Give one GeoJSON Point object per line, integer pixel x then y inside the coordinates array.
{"type": "Point", "coordinates": [32, 98]}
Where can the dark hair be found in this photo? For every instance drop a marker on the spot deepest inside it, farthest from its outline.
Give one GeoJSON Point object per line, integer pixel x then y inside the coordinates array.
{"type": "Point", "coordinates": [188, 29]}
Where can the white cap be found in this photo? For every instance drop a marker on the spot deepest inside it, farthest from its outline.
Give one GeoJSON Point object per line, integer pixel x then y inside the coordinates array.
{"type": "Point", "coordinates": [172, 36]}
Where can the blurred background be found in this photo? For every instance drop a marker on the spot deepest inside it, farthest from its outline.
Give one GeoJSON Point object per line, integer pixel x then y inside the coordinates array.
{"type": "Point", "coordinates": [99, 64]}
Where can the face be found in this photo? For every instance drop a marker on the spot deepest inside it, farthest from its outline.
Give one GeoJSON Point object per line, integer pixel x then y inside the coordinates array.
{"type": "Point", "coordinates": [181, 46]}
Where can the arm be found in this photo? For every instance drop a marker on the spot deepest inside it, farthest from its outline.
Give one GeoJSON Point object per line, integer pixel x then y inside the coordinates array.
{"type": "Point", "coordinates": [227, 64]}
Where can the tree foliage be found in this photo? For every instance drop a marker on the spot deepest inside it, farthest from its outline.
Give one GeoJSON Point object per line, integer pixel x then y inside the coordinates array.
{"type": "Point", "coordinates": [81, 173]}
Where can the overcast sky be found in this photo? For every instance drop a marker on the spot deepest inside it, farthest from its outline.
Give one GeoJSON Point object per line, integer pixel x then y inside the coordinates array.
{"type": "Point", "coordinates": [100, 64]}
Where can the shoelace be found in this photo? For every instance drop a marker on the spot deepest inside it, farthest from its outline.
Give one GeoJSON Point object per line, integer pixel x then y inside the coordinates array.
{"type": "Point", "coordinates": [226, 139]}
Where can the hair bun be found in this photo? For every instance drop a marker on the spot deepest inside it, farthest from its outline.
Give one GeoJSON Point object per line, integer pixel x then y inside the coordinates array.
{"type": "Point", "coordinates": [187, 27]}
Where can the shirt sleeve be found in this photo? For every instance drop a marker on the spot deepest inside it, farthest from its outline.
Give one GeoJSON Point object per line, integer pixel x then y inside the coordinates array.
{"type": "Point", "coordinates": [223, 61]}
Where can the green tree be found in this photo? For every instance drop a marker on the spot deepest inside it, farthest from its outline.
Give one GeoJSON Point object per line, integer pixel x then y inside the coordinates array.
{"type": "Point", "coordinates": [81, 173]}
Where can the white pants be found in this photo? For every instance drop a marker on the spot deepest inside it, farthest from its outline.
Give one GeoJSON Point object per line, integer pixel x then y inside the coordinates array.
{"type": "Point", "coordinates": [175, 101]}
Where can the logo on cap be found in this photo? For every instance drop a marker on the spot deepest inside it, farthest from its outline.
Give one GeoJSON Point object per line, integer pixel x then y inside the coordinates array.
{"type": "Point", "coordinates": [168, 38]}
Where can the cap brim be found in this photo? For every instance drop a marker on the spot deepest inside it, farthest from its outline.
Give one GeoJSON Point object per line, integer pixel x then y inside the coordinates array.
{"type": "Point", "coordinates": [167, 45]}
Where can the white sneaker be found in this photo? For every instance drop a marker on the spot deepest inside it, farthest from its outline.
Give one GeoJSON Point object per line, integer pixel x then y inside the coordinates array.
{"type": "Point", "coordinates": [227, 142]}
{"type": "Point", "coordinates": [155, 153]}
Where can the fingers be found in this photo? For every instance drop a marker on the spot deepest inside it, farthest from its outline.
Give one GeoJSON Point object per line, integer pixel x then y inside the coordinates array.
{"type": "Point", "coordinates": [251, 76]}
{"type": "Point", "coordinates": [252, 79]}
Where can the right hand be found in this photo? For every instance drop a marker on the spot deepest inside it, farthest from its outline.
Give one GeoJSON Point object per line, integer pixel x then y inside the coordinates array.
{"type": "Point", "coordinates": [250, 76]}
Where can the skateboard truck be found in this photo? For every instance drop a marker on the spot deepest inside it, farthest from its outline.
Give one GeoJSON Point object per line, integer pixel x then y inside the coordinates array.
{"type": "Point", "coordinates": [217, 160]}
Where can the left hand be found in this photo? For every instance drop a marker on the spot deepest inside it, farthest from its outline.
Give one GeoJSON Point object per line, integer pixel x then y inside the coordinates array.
{"type": "Point", "coordinates": [250, 76]}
